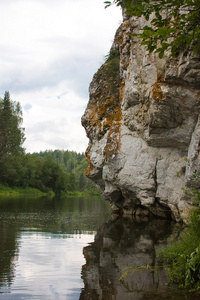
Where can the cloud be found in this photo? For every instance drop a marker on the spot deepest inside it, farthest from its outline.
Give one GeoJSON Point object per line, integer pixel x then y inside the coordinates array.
{"type": "Point", "coordinates": [49, 51]}
{"type": "Point", "coordinates": [53, 119]}
{"type": "Point", "coordinates": [27, 107]}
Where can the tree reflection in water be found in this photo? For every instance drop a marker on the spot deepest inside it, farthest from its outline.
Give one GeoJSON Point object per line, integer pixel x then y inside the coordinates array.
{"type": "Point", "coordinates": [121, 243]}
{"type": "Point", "coordinates": [9, 250]}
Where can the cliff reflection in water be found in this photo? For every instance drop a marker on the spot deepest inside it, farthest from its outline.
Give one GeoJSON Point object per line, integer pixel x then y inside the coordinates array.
{"type": "Point", "coordinates": [122, 243]}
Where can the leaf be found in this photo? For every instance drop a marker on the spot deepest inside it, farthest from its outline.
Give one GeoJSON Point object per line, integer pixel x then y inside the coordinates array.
{"type": "Point", "coordinates": [180, 22]}
{"type": "Point", "coordinates": [195, 50]}
{"type": "Point", "coordinates": [164, 46]}
{"type": "Point", "coordinates": [158, 15]}
{"type": "Point", "coordinates": [161, 54]}
{"type": "Point", "coordinates": [145, 43]}
{"type": "Point", "coordinates": [108, 3]}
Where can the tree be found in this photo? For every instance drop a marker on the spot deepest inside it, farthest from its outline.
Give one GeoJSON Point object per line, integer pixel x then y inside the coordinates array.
{"type": "Point", "coordinates": [72, 182]}
{"type": "Point", "coordinates": [34, 165]}
{"type": "Point", "coordinates": [82, 182]}
{"type": "Point", "coordinates": [14, 171]}
{"type": "Point", "coordinates": [174, 24]}
{"type": "Point", "coordinates": [11, 133]}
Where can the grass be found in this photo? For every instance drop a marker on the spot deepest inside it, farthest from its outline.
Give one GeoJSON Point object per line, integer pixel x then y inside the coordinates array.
{"type": "Point", "coordinates": [6, 191]}
{"type": "Point", "coordinates": [182, 258]}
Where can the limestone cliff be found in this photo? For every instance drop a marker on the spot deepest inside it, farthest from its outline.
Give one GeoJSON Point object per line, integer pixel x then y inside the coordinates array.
{"type": "Point", "coordinates": [143, 125]}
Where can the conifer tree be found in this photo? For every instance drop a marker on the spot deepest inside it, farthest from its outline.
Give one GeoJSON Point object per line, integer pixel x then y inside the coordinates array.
{"type": "Point", "coordinates": [11, 133]}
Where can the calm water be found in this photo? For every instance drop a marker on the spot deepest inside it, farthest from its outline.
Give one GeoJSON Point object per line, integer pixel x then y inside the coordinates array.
{"type": "Point", "coordinates": [72, 249]}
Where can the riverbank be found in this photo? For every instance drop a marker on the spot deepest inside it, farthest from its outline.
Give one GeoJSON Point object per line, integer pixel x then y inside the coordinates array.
{"type": "Point", "coordinates": [83, 193]}
{"type": "Point", "coordinates": [6, 191]}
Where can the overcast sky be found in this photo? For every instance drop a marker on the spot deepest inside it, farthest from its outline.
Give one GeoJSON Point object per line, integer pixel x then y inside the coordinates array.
{"type": "Point", "coordinates": [49, 52]}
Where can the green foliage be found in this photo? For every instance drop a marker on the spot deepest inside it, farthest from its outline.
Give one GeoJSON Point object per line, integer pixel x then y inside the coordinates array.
{"type": "Point", "coordinates": [11, 134]}
{"type": "Point", "coordinates": [112, 63]}
{"type": "Point", "coordinates": [132, 270]}
{"type": "Point", "coordinates": [174, 25]}
{"type": "Point", "coordinates": [110, 72]}
{"type": "Point", "coordinates": [183, 261]}
{"type": "Point", "coordinates": [68, 159]}
{"type": "Point", "coordinates": [43, 172]}
{"type": "Point", "coordinates": [12, 167]}
{"type": "Point", "coordinates": [82, 182]}
{"type": "Point", "coordinates": [72, 171]}
{"type": "Point", "coordinates": [183, 257]}
{"type": "Point", "coordinates": [18, 191]}
{"type": "Point", "coordinates": [13, 170]}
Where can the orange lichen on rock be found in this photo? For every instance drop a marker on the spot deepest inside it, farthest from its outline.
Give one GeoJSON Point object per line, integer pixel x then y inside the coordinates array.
{"type": "Point", "coordinates": [121, 92]}
{"type": "Point", "coordinates": [106, 117]}
{"type": "Point", "coordinates": [157, 92]}
{"type": "Point", "coordinates": [103, 115]}
{"type": "Point", "coordinates": [113, 123]}
{"type": "Point", "coordinates": [113, 140]}
{"type": "Point", "coordinates": [93, 115]}
{"type": "Point", "coordinates": [90, 166]}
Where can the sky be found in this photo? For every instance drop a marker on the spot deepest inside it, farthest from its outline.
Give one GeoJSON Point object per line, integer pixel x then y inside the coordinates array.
{"type": "Point", "coordinates": [49, 52]}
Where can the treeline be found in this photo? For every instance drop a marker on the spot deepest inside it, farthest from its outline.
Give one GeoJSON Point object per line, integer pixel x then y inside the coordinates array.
{"type": "Point", "coordinates": [44, 172]}
{"type": "Point", "coordinates": [73, 165]}
{"type": "Point", "coordinates": [58, 171]}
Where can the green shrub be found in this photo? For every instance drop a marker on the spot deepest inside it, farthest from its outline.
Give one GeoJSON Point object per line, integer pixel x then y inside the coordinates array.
{"type": "Point", "coordinates": [182, 258]}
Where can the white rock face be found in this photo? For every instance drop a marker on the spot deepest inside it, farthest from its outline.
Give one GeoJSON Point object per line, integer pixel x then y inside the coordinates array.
{"type": "Point", "coordinates": [143, 128]}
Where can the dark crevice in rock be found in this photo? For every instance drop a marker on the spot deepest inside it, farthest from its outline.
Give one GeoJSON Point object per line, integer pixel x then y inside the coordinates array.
{"type": "Point", "coordinates": [155, 176]}
{"type": "Point", "coordinates": [160, 210]}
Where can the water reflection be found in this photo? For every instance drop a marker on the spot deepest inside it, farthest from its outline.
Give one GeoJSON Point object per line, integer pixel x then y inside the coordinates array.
{"type": "Point", "coordinates": [41, 242]}
{"type": "Point", "coordinates": [121, 243]}
{"type": "Point", "coordinates": [68, 215]}
{"type": "Point", "coordinates": [9, 249]}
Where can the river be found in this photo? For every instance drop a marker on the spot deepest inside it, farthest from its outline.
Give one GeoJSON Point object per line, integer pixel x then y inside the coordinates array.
{"type": "Point", "coordinates": [73, 249]}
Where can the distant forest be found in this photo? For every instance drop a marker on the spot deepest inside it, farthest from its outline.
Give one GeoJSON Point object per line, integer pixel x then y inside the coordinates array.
{"type": "Point", "coordinates": [55, 171]}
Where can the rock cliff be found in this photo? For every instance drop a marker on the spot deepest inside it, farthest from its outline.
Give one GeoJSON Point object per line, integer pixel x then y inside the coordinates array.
{"type": "Point", "coordinates": [143, 125]}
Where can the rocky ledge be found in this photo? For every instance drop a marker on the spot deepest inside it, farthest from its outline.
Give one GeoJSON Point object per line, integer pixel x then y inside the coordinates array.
{"type": "Point", "coordinates": [143, 125]}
